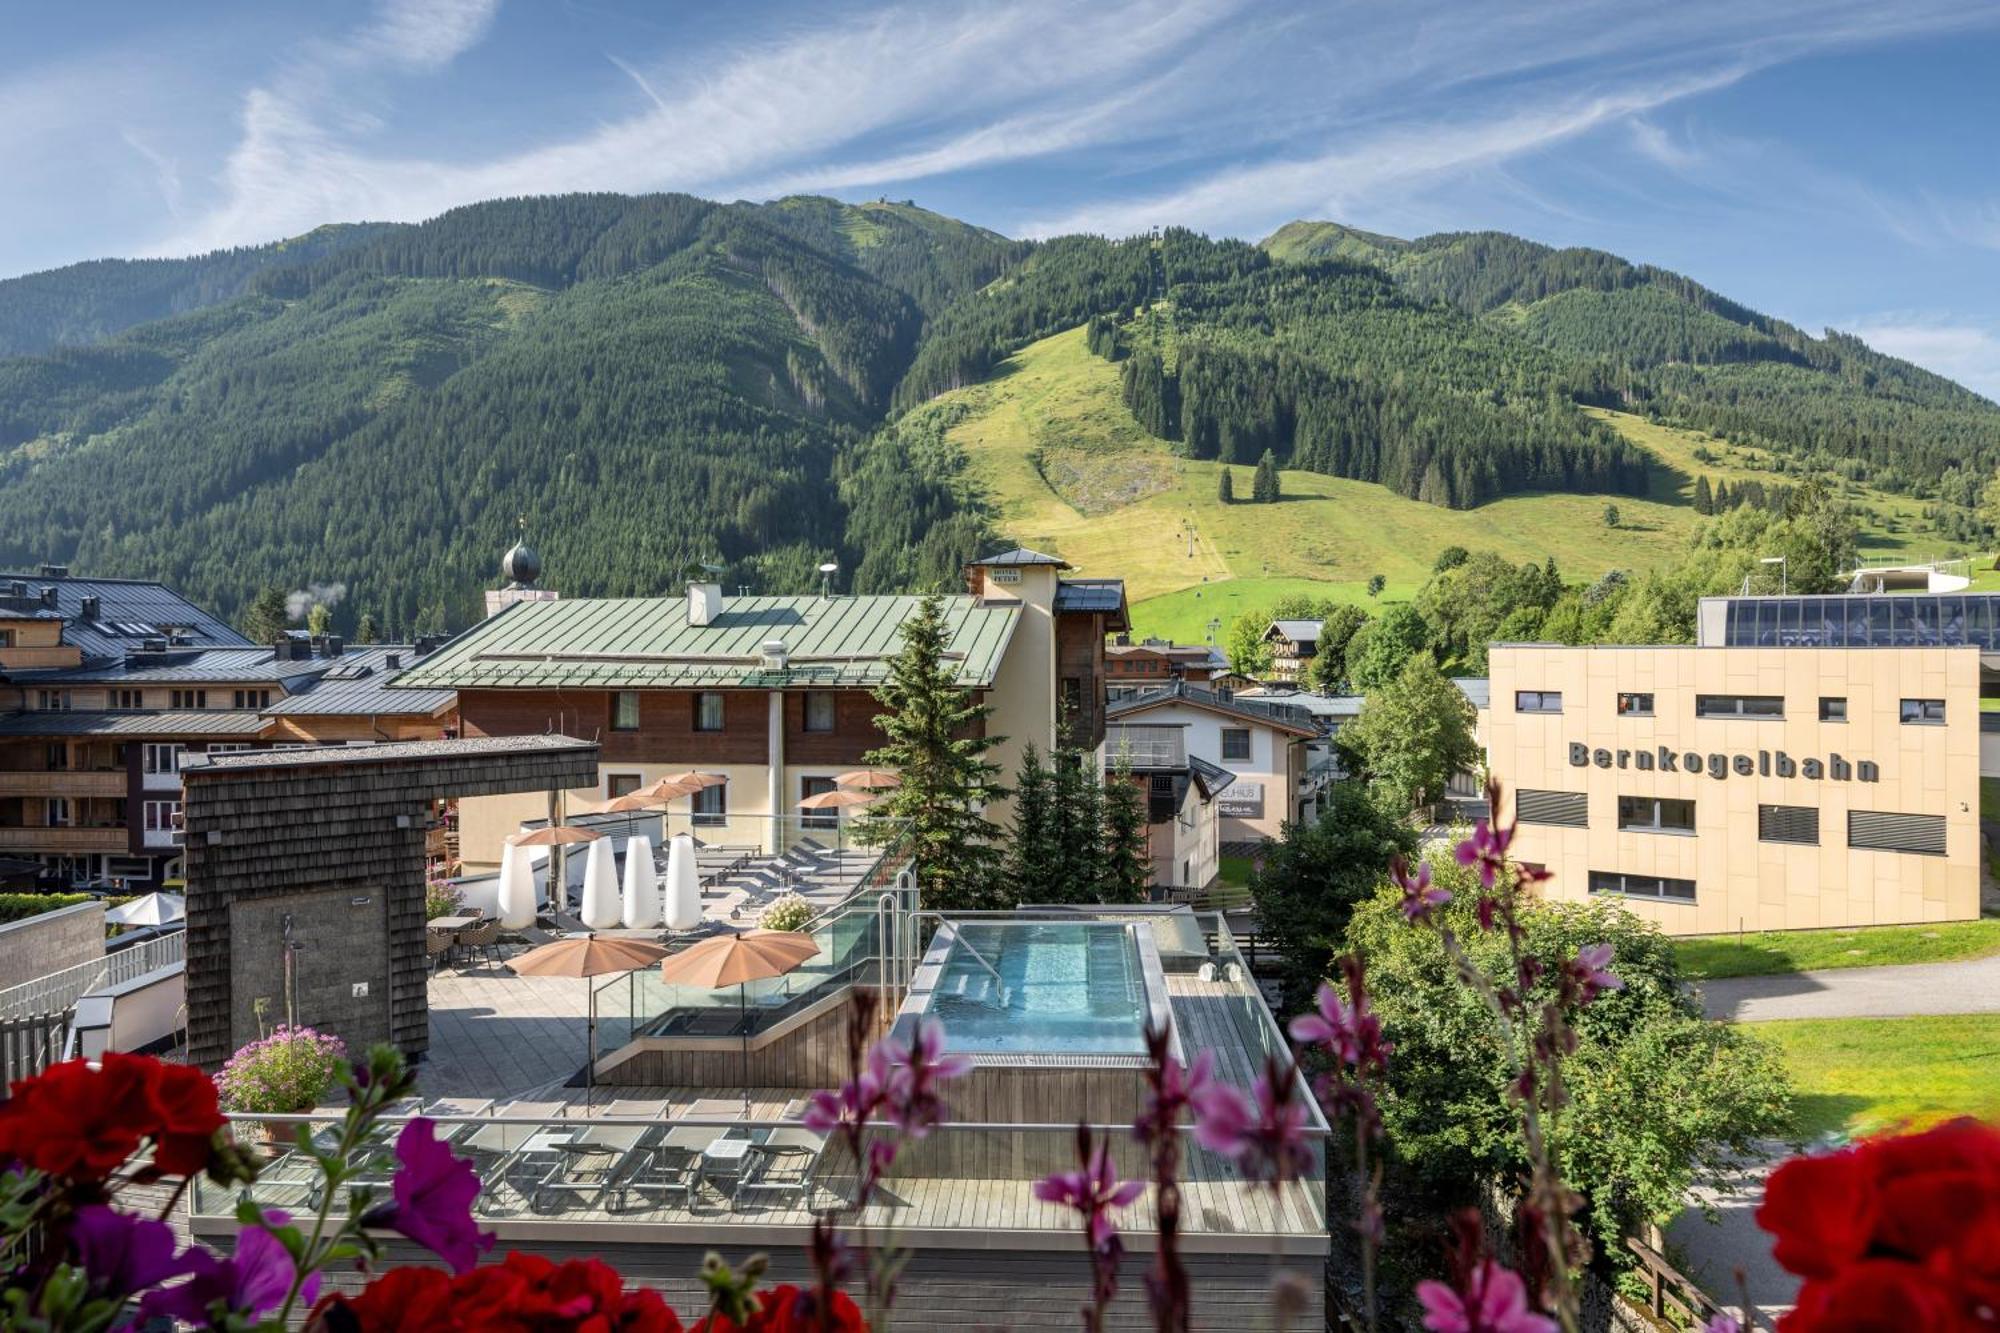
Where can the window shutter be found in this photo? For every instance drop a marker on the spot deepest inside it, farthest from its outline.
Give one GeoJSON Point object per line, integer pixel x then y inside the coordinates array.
{"type": "Point", "coordinates": [1922, 834]}
{"type": "Point", "coordinates": [1787, 823]}
{"type": "Point", "coordinates": [1571, 809]}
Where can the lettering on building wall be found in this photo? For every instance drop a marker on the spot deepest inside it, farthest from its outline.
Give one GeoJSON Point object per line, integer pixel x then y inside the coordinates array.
{"type": "Point", "coordinates": [1241, 800]}
{"type": "Point", "coordinates": [1766, 763]}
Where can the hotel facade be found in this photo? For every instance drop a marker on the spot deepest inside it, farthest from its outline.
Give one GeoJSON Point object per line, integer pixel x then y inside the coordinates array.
{"type": "Point", "coordinates": [1724, 788]}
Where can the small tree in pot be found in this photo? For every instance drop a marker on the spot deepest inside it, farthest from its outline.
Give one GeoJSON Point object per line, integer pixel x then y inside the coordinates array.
{"type": "Point", "coordinates": [283, 1074]}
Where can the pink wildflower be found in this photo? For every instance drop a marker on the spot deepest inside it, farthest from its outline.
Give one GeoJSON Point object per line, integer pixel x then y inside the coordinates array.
{"type": "Point", "coordinates": [1419, 898]}
{"type": "Point", "coordinates": [1584, 977]}
{"type": "Point", "coordinates": [1493, 1300]}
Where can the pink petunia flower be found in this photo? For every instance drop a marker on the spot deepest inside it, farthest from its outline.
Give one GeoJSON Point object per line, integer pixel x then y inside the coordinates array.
{"type": "Point", "coordinates": [432, 1197]}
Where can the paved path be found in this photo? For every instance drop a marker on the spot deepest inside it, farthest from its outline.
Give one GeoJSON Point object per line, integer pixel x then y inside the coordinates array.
{"type": "Point", "coordinates": [494, 1034]}
{"type": "Point", "coordinates": [1712, 1251]}
{"type": "Point", "coordinates": [1970, 987]}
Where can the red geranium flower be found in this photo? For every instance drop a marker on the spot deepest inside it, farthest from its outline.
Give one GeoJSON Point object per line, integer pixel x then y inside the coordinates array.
{"type": "Point", "coordinates": [1873, 1296]}
{"type": "Point", "coordinates": [789, 1309]}
{"type": "Point", "coordinates": [83, 1121]}
{"type": "Point", "coordinates": [402, 1300]}
{"type": "Point", "coordinates": [525, 1293]}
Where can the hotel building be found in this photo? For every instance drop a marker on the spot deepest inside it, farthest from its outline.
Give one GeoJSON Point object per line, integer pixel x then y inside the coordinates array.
{"type": "Point", "coordinates": [1752, 786]}
{"type": "Point", "coordinates": [773, 694]}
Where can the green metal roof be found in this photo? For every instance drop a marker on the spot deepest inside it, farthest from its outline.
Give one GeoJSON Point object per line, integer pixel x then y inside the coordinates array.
{"type": "Point", "coordinates": [647, 643]}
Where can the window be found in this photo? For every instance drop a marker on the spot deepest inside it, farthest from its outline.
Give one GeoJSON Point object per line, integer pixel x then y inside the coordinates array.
{"type": "Point", "coordinates": [234, 747]}
{"type": "Point", "coordinates": [56, 756]}
{"type": "Point", "coordinates": [620, 784]}
{"type": "Point", "coordinates": [1923, 712]}
{"type": "Point", "coordinates": [1642, 886]}
{"type": "Point", "coordinates": [816, 787]}
{"type": "Point", "coordinates": [1235, 744]}
{"type": "Point", "coordinates": [1538, 701]}
{"type": "Point", "coordinates": [127, 700]}
{"type": "Point", "coordinates": [708, 714]}
{"type": "Point", "coordinates": [711, 804]}
{"type": "Point", "coordinates": [162, 758]}
{"type": "Point", "coordinates": [1655, 814]}
{"type": "Point", "coordinates": [56, 812]}
{"type": "Point", "coordinates": [1787, 823]}
{"type": "Point", "coordinates": [819, 711]}
{"type": "Point", "coordinates": [1072, 696]}
{"type": "Point", "coordinates": [1160, 803]}
{"type": "Point", "coordinates": [625, 710]}
{"type": "Point", "coordinates": [6, 638]}
{"type": "Point", "coordinates": [54, 700]}
{"type": "Point", "coordinates": [163, 816]}
{"type": "Point", "coordinates": [1569, 809]}
{"type": "Point", "coordinates": [1635, 705]}
{"type": "Point", "coordinates": [190, 698]}
{"type": "Point", "coordinates": [253, 699]}
{"type": "Point", "coordinates": [1832, 709]}
{"type": "Point", "coordinates": [1739, 705]}
{"type": "Point", "coordinates": [1921, 834]}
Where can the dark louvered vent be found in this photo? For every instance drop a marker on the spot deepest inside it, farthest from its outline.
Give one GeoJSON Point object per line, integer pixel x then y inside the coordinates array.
{"type": "Point", "coordinates": [1923, 834]}
{"type": "Point", "coordinates": [1571, 809]}
{"type": "Point", "coordinates": [1787, 823]}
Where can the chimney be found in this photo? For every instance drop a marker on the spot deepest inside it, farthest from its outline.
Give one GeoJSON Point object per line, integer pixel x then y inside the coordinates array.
{"type": "Point", "coordinates": [1122, 640]}
{"type": "Point", "coordinates": [331, 645]}
{"type": "Point", "coordinates": [776, 654]}
{"type": "Point", "coordinates": [17, 589]}
{"type": "Point", "coordinates": [704, 603]}
{"type": "Point", "coordinates": [55, 571]}
{"type": "Point", "coordinates": [392, 661]}
{"type": "Point", "coordinates": [88, 610]}
{"type": "Point", "coordinates": [49, 595]}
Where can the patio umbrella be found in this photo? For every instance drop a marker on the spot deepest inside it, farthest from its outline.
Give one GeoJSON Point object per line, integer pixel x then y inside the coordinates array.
{"type": "Point", "coordinates": [870, 777]}
{"type": "Point", "coordinates": [600, 887]}
{"type": "Point", "coordinates": [642, 885]}
{"type": "Point", "coordinates": [586, 956]}
{"type": "Point", "coordinates": [737, 960]}
{"type": "Point", "coordinates": [555, 835]}
{"type": "Point", "coordinates": [155, 909]}
{"type": "Point", "coordinates": [683, 885]}
{"type": "Point", "coordinates": [668, 789]}
{"type": "Point", "coordinates": [833, 800]}
{"type": "Point", "coordinates": [517, 889]}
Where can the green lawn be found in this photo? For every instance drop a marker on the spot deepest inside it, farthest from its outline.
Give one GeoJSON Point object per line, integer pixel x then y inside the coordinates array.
{"type": "Point", "coordinates": [1856, 1074]}
{"type": "Point", "coordinates": [1989, 796]}
{"type": "Point", "coordinates": [1812, 950]}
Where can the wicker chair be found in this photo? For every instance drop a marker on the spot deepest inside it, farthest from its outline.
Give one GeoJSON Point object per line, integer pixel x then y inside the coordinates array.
{"type": "Point", "coordinates": [437, 943]}
{"type": "Point", "coordinates": [484, 937]}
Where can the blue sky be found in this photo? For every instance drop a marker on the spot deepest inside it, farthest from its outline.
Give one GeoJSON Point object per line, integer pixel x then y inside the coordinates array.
{"type": "Point", "coordinates": [1828, 161]}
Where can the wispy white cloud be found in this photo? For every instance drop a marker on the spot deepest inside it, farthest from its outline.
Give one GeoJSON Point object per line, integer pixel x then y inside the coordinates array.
{"type": "Point", "coordinates": [762, 114]}
{"type": "Point", "coordinates": [166, 171]}
{"type": "Point", "coordinates": [1957, 348]}
{"type": "Point", "coordinates": [1656, 143]}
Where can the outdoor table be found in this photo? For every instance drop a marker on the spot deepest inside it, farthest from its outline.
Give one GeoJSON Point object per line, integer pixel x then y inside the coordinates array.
{"type": "Point", "coordinates": [452, 922]}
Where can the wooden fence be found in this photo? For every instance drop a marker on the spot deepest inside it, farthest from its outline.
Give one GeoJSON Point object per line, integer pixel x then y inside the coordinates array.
{"type": "Point", "coordinates": [1670, 1292]}
{"type": "Point", "coordinates": [30, 1044]}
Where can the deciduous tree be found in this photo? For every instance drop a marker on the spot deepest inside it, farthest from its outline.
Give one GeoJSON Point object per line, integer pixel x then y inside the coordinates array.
{"type": "Point", "coordinates": [1412, 735]}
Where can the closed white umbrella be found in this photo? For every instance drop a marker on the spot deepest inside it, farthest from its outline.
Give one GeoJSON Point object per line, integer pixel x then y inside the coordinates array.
{"type": "Point", "coordinates": [642, 885]}
{"type": "Point", "coordinates": [154, 909]}
{"type": "Point", "coordinates": [517, 888]}
{"type": "Point", "coordinates": [683, 885]}
{"type": "Point", "coordinates": [600, 887]}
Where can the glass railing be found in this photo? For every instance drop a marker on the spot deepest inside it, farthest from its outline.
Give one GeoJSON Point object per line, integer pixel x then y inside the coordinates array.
{"type": "Point", "coordinates": [700, 1165]}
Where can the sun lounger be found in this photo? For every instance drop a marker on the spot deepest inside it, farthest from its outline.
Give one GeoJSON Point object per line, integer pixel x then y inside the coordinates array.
{"type": "Point", "coordinates": [780, 1169]}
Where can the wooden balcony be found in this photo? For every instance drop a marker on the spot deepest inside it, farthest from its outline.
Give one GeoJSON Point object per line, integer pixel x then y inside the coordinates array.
{"type": "Point", "coordinates": [63, 782]}
{"type": "Point", "coordinates": [34, 838]}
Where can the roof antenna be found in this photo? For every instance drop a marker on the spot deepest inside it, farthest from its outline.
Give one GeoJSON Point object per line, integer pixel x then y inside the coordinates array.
{"type": "Point", "coordinates": [826, 573]}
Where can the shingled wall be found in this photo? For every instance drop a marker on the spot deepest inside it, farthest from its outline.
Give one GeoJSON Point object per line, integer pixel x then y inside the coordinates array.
{"type": "Point", "coordinates": [331, 840]}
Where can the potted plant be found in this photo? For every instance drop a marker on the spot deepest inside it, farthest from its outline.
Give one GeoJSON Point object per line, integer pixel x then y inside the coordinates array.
{"type": "Point", "coordinates": [442, 898]}
{"type": "Point", "coordinates": [285, 1073]}
{"type": "Point", "coordinates": [789, 912]}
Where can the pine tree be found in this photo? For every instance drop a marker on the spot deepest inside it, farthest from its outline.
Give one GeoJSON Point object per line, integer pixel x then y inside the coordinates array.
{"type": "Point", "coordinates": [934, 744]}
{"type": "Point", "coordinates": [366, 632]}
{"type": "Point", "coordinates": [1225, 489]}
{"type": "Point", "coordinates": [1704, 497]}
{"type": "Point", "coordinates": [1079, 821]}
{"type": "Point", "coordinates": [1264, 487]}
{"type": "Point", "coordinates": [1128, 853]}
{"type": "Point", "coordinates": [1034, 860]}
{"type": "Point", "coordinates": [1375, 585]}
{"type": "Point", "coordinates": [1722, 500]}
{"type": "Point", "coordinates": [1611, 516]}
{"type": "Point", "coordinates": [265, 619]}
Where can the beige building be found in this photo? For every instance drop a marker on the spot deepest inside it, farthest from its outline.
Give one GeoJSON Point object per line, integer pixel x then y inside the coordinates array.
{"type": "Point", "coordinates": [1721, 789]}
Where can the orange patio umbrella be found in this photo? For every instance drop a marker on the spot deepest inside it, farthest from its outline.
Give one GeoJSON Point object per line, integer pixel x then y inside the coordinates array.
{"type": "Point", "coordinates": [870, 777]}
{"type": "Point", "coordinates": [666, 789]}
{"type": "Point", "coordinates": [559, 835]}
{"type": "Point", "coordinates": [833, 800]}
{"type": "Point", "coordinates": [586, 956]}
{"type": "Point", "coordinates": [737, 960]}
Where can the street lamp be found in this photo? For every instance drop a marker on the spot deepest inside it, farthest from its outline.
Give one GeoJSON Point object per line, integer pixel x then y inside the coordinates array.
{"type": "Point", "coordinates": [1784, 572]}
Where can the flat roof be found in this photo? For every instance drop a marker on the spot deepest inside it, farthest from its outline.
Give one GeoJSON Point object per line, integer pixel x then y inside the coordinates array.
{"type": "Point", "coordinates": [647, 642]}
{"type": "Point", "coordinates": [154, 722]}
{"type": "Point", "coordinates": [311, 756]}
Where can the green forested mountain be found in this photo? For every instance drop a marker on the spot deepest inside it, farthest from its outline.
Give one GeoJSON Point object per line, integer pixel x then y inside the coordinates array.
{"type": "Point", "coordinates": [651, 381]}
{"type": "Point", "coordinates": [83, 303]}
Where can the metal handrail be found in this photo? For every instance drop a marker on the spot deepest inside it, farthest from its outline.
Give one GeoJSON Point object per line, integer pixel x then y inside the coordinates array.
{"type": "Point", "coordinates": [56, 991]}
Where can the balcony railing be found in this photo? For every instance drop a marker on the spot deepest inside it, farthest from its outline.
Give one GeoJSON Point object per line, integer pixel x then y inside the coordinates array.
{"type": "Point", "coordinates": [64, 782]}
{"type": "Point", "coordinates": [41, 838]}
{"type": "Point", "coordinates": [59, 990]}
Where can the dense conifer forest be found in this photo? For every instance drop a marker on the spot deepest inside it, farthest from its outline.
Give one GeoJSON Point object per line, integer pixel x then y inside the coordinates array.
{"type": "Point", "coordinates": [653, 381]}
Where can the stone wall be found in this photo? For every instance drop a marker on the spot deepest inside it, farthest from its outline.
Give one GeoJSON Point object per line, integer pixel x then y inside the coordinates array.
{"type": "Point", "coordinates": [51, 941]}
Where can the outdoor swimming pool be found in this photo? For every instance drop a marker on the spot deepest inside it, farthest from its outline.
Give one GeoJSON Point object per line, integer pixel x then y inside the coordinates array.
{"type": "Point", "coordinates": [1044, 987]}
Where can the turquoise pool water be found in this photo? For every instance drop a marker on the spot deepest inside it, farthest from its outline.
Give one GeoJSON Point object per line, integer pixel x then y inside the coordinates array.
{"type": "Point", "coordinates": [1061, 988]}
